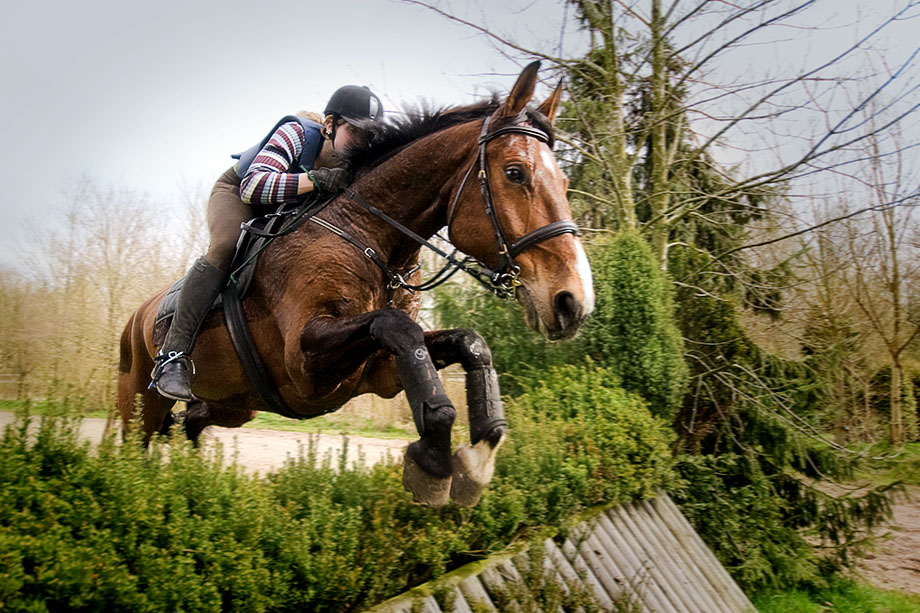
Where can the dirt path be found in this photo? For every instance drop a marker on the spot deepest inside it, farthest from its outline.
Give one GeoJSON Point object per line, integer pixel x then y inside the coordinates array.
{"type": "Point", "coordinates": [262, 451]}
{"type": "Point", "coordinates": [896, 563]}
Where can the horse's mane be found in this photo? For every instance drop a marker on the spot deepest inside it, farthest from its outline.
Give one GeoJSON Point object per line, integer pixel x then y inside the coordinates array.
{"type": "Point", "coordinates": [416, 122]}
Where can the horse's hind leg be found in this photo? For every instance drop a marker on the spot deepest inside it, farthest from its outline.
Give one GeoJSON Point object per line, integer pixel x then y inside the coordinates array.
{"type": "Point", "coordinates": [137, 404]}
{"type": "Point", "coordinates": [199, 415]}
{"type": "Point", "coordinates": [473, 465]}
{"type": "Point", "coordinates": [197, 418]}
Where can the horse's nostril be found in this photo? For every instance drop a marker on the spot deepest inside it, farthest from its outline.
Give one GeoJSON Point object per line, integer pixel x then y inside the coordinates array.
{"type": "Point", "coordinates": [568, 311]}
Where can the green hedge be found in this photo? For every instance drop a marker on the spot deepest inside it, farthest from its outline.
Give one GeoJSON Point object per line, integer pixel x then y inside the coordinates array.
{"type": "Point", "coordinates": [110, 529]}
{"type": "Point", "coordinates": [633, 328]}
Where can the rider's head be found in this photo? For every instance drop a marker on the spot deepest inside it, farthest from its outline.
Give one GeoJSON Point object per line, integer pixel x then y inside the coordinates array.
{"type": "Point", "coordinates": [352, 111]}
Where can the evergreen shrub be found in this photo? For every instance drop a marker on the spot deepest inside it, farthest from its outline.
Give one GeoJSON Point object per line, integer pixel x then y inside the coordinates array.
{"type": "Point", "coordinates": [108, 528]}
{"type": "Point", "coordinates": [764, 524]}
{"type": "Point", "coordinates": [735, 509]}
{"type": "Point", "coordinates": [581, 424]}
{"type": "Point", "coordinates": [632, 329]}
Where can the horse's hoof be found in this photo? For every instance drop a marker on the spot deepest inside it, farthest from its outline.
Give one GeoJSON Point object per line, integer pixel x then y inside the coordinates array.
{"type": "Point", "coordinates": [427, 490]}
{"type": "Point", "coordinates": [472, 469]}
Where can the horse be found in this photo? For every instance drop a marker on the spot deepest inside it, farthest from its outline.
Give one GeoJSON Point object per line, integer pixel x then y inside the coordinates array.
{"type": "Point", "coordinates": [333, 319]}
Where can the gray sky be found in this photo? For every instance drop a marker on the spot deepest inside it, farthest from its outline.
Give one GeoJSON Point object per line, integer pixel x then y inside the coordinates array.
{"type": "Point", "coordinates": [155, 96]}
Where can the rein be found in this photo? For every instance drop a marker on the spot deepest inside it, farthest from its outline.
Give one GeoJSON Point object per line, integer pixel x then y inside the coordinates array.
{"type": "Point", "coordinates": [488, 278]}
{"type": "Point", "coordinates": [501, 282]}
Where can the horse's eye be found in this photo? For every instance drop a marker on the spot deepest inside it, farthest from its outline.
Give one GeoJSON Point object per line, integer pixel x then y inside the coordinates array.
{"type": "Point", "coordinates": [514, 174]}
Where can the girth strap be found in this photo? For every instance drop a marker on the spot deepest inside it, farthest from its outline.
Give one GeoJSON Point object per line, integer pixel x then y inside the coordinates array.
{"type": "Point", "coordinates": [249, 356]}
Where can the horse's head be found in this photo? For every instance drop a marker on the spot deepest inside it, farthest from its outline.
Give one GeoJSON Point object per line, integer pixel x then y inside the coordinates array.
{"type": "Point", "coordinates": [520, 207]}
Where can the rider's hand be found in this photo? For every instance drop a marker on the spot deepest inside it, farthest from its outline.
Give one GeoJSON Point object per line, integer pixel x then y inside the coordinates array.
{"type": "Point", "coordinates": [330, 180]}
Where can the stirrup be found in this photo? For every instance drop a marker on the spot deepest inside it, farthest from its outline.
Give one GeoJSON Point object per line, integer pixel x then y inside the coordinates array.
{"type": "Point", "coordinates": [161, 359]}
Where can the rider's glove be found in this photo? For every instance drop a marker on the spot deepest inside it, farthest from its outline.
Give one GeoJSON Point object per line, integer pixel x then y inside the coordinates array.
{"type": "Point", "coordinates": [330, 180]}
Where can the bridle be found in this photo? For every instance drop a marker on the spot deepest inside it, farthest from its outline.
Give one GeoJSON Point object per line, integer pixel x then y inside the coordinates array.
{"type": "Point", "coordinates": [507, 276]}
{"type": "Point", "coordinates": [503, 281]}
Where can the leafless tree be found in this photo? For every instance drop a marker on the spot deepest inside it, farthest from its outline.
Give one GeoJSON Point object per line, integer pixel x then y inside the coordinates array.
{"type": "Point", "coordinates": [883, 281]}
{"type": "Point", "coordinates": [774, 90]}
{"type": "Point", "coordinates": [106, 255]}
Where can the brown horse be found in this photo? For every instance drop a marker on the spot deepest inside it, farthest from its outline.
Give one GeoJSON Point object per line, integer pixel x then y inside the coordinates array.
{"type": "Point", "coordinates": [329, 324]}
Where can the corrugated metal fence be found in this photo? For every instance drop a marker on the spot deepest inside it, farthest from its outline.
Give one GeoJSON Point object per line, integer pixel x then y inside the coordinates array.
{"type": "Point", "coordinates": [640, 556]}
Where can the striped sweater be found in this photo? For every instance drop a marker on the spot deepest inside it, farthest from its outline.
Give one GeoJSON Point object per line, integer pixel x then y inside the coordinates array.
{"type": "Point", "coordinates": [269, 179]}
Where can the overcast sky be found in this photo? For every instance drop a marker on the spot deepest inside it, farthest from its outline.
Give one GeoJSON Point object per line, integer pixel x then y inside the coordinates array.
{"type": "Point", "coordinates": [154, 96]}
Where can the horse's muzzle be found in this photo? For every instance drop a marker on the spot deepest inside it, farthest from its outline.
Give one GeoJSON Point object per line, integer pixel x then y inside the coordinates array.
{"type": "Point", "coordinates": [569, 315]}
{"type": "Point", "coordinates": [561, 321]}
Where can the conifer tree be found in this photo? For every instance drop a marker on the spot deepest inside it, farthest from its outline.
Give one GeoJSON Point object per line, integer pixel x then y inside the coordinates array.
{"type": "Point", "coordinates": [642, 132]}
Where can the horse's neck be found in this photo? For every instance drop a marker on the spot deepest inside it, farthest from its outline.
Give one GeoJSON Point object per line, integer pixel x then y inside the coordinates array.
{"type": "Point", "coordinates": [412, 187]}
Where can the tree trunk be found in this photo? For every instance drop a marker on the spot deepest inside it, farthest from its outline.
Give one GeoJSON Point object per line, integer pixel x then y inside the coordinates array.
{"type": "Point", "coordinates": [896, 426]}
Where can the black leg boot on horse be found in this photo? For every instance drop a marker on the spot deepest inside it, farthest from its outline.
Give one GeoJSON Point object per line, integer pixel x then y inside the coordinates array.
{"type": "Point", "coordinates": [473, 465]}
{"type": "Point", "coordinates": [427, 466]}
{"type": "Point", "coordinates": [173, 372]}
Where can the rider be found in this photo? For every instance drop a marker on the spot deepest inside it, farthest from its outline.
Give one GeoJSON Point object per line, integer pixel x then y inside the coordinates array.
{"type": "Point", "coordinates": [300, 156]}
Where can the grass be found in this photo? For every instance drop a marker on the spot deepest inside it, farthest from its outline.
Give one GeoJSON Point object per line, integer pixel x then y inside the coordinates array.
{"type": "Point", "coordinates": [842, 596]}
{"type": "Point", "coordinates": [48, 407]}
{"type": "Point", "coordinates": [334, 423]}
{"type": "Point", "coordinates": [901, 465]}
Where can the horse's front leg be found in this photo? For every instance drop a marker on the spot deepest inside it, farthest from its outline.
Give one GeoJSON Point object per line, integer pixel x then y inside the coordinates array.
{"type": "Point", "coordinates": [473, 465]}
{"type": "Point", "coordinates": [427, 467]}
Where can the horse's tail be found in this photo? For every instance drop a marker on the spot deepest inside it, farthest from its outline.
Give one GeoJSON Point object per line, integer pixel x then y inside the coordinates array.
{"type": "Point", "coordinates": [127, 351]}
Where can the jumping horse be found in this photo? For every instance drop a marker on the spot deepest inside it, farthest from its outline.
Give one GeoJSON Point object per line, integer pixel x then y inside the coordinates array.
{"type": "Point", "coordinates": [333, 319]}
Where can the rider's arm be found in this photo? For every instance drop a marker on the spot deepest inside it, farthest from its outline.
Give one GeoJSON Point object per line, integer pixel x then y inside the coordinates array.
{"type": "Point", "coordinates": [268, 181]}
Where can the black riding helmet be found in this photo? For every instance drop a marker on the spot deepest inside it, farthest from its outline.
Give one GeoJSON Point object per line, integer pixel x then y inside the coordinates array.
{"type": "Point", "coordinates": [357, 105]}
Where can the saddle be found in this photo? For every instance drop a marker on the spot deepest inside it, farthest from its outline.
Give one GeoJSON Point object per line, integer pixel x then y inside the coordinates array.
{"type": "Point", "coordinates": [255, 236]}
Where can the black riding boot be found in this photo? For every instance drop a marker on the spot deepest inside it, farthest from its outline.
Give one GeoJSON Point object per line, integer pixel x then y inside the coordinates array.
{"type": "Point", "coordinates": [172, 374]}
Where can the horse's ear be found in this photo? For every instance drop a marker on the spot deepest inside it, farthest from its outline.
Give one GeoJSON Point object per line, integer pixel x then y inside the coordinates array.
{"type": "Point", "coordinates": [522, 91]}
{"type": "Point", "coordinates": [551, 104]}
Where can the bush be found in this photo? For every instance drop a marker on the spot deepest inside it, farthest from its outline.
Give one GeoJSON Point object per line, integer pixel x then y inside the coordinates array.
{"type": "Point", "coordinates": [110, 529]}
{"type": "Point", "coordinates": [113, 530]}
{"type": "Point", "coordinates": [632, 329]}
{"type": "Point", "coordinates": [601, 442]}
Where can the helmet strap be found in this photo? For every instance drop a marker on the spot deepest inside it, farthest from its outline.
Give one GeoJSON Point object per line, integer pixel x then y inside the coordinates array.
{"type": "Point", "coordinates": [335, 125]}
